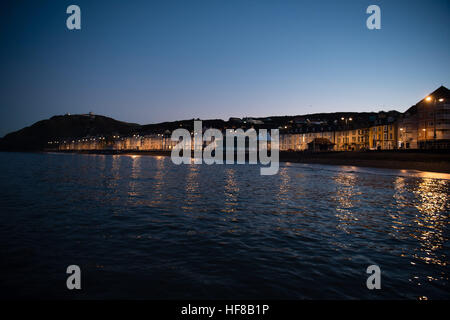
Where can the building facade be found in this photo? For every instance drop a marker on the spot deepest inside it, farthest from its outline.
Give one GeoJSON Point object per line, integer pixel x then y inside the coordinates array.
{"type": "Point", "coordinates": [434, 120]}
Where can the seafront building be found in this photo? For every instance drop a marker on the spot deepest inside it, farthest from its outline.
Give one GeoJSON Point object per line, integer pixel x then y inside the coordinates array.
{"type": "Point", "coordinates": [434, 121]}
{"type": "Point", "coordinates": [425, 125]}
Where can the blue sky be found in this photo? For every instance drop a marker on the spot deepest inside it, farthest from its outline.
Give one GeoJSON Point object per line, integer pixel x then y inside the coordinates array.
{"type": "Point", "coordinates": [153, 61]}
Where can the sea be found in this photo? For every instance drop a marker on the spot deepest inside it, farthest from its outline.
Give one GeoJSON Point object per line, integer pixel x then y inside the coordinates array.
{"type": "Point", "coordinates": [141, 227]}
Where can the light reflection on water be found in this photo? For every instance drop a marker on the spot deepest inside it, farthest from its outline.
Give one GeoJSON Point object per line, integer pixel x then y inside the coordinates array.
{"type": "Point", "coordinates": [133, 183]}
{"type": "Point", "coordinates": [427, 224]}
{"type": "Point", "coordinates": [431, 219]}
{"type": "Point", "coordinates": [191, 188]}
{"type": "Point", "coordinates": [283, 193]}
{"type": "Point", "coordinates": [231, 192]}
{"type": "Point", "coordinates": [158, 185]}
{"type": "Point", "coordinates": [196, 231]}
{"type": "Point", "coordinates": [346, 191]}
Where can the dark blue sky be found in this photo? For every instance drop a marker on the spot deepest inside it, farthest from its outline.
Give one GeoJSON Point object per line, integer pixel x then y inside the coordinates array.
{"type": "Point", "coordinates": [153, 61]}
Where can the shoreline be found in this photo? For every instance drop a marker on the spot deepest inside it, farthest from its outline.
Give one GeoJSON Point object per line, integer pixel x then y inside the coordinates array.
{"type": "Point", "coordinates": [421, 161]}
{"type": "Point", "coordinates": [400, 160]}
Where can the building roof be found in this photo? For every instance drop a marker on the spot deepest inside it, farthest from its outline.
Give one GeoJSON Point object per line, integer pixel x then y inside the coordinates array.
{"type": "Point", "coordinates": [441, 92]}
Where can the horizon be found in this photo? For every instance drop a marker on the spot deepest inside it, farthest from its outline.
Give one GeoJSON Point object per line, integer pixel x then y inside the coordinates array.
{"type": "Point", "coordinates": [149, 63]}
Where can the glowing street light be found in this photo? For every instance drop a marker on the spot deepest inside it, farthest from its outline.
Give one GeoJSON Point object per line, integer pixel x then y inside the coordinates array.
{"type": "Point", "coordinates": [346, 132]}
{"type": "Point", "coordinates": [429, 99]}
{"type": "Point", "coordinates": [346, 120]}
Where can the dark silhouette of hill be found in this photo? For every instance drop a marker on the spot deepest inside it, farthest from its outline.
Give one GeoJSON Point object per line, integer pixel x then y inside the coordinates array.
{"type": "Point", "coordinates": [36, 136]}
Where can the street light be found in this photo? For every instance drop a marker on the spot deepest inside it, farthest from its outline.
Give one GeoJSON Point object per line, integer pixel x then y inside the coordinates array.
{"type": "Point", "coordinates": [346, 120]}
{"type": "Point", "coordinates": [346, 126]}
{"type": "Point", "coordinates": [429, 99]}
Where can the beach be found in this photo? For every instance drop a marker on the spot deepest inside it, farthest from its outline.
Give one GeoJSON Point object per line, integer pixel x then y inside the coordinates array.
{"type": "Point", "coordinates": [402, 160]}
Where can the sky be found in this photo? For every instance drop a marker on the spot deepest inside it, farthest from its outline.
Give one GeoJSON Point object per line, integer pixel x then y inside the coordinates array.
{"type": "Point", "coordinates": [152, 61]}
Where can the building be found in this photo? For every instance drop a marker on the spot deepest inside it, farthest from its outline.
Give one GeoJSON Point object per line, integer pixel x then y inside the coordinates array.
{"type": "Point", "coordinates": [351, 140]}
{"type": "Point", "coordinates": [407, 129]}
{"type": "Point", "coordinates": [383, 137]}
{"type": "Point", "coordinates": [320, 144]}
{"type": "Point", "coordinates": [433, 113]}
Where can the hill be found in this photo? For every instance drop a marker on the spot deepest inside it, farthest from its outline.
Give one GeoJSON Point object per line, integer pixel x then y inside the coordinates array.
{"type": "Point", "coordinates": [36, 137]}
